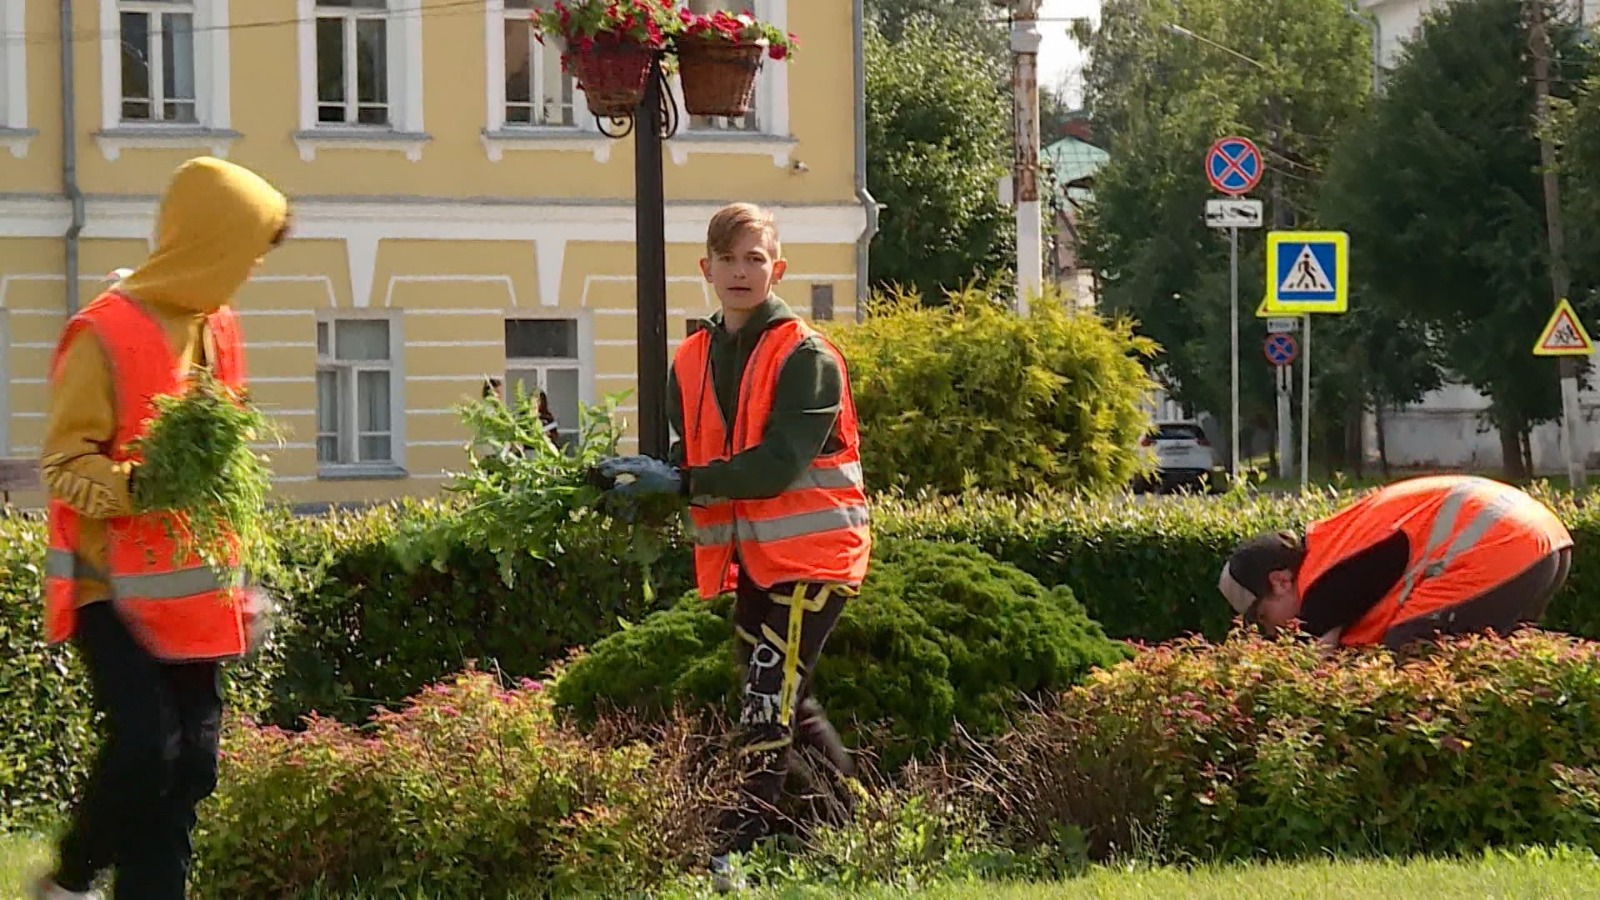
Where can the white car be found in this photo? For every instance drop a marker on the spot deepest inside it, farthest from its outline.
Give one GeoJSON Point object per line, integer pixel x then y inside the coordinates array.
{"type": "Point", "coordinates": [1183, 453]}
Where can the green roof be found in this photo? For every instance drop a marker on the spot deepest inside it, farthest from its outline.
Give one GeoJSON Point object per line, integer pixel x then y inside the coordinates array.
{"type": "Point", "coordinates": [1071, 160]}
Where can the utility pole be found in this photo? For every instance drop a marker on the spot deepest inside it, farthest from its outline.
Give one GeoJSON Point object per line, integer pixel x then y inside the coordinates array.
{"type": "Point", "coordinates": [1281, 222]}
{"type": "Point", "coordinates": [1025, 40]}
{"type": "Point", "coordinates": [1560, 278]}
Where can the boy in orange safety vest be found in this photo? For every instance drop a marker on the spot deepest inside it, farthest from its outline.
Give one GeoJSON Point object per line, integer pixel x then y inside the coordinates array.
{"type": "Point", "coordinates": [150, 628]}
{"type": "Point", "coordinates": [1444, 554]}
{"type": "Point", "coordinates": [769, 460]}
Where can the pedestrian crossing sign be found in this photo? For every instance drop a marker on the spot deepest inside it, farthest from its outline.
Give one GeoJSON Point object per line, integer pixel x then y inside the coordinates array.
{"type": "Point", "coordinates": [1308, 272]}
{"type": "Point", "coordinates": [1564, 334]}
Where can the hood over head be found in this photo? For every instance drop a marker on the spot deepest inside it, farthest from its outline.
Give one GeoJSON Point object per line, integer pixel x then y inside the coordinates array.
{"type": "Point", "coordinates": [217, 220]}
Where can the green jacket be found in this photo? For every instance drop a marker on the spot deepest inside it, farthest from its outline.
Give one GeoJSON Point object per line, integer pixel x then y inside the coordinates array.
{"type": "Point", "coordinates": [800, 427]}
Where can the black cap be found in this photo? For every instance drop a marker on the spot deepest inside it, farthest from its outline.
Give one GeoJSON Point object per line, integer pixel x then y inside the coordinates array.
{"type": "Point", "coordinates": [1256, 559]}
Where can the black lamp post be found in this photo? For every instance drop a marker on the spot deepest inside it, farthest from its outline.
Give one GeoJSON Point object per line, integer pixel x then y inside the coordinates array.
{"type": "Point", "coordinates": [651, 123]}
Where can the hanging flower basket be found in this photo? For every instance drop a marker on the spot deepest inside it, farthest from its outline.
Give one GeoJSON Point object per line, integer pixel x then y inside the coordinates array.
{"type": "Point", "coordinates": [719, 79]}
{"type": "Point", "coordinates": [719, 56]}
{"type": "Point", "coordinates": [608, 45]}
{"type": "Point", "coordinates": [613, 76]}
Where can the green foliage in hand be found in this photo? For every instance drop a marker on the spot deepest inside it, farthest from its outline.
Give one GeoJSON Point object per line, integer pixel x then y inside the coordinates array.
{"type": "Point", "coordinates": [940, 634]}
{"type": "Point", "coordinates": [198, 462]}
{"type": "Point", "coordinates": [971, 396]}
{"type": "Point", "coordinates": [522, 497]}
{"type": "Point", "coordinates": [1254, 748]}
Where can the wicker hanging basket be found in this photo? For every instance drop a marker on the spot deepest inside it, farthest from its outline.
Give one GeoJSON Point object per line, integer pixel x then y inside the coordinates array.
{"type": "Point", "coordinates": [613, 76]}
{"type": "Point", "coordinates": [719, 79]}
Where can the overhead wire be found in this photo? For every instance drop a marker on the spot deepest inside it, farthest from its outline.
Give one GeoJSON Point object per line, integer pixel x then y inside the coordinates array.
{"type": "Point", "coordinates": [440, 9]}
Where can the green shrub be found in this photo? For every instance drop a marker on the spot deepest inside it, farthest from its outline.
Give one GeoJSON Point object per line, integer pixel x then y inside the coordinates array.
{"type": "Point", "coordinates": [940, 634]}
{"type": "Point", "coordinates": [1253, 748]}
{"type": "Point", "coordinates": [973, 396]}
{"type": "Point", "coordinates": [471, 790]}
{"type": "Point", "coordinates": [368, 628]}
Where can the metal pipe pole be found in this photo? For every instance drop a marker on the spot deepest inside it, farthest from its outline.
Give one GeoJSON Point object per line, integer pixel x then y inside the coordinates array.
{"type": "Point", "coordinates": [1305, 404]}
{"type": "Point", "coordinates": [650, 211]}
{"type": "Point", "coordinates": [1233, 326]}
{"type": "Point", "coordinates": [1560, 278]}
{"type": "Point", "coordinates": [1025, 41]}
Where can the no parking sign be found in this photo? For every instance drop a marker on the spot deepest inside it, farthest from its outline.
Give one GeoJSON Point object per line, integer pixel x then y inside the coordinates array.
{"type": "Point", "coordinates": [1281, 349]}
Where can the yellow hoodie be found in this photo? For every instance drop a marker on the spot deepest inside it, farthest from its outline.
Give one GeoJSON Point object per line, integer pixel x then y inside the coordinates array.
{"type": "Point", "coordinates": [216, 221]}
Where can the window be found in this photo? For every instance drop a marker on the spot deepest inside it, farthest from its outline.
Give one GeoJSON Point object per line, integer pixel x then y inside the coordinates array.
{"type": "Point", "coordinates": [537, 92]}
{"type": "Point", "coordinates": [158, 66]}
{"type": "Point", "coordinates": [751, 121]}
{"type": "Point", "coordinates": [542, 355]}
{"type": "Point", "coordinates": [164, 75]}
{"type": "Point", "coordinates": [353, 62]}
{"type": "Point", "coordinates": [361, 76]}
{"type": "Point", "coordinates": [14, 131]}
{"type": "Point", "coordinates": [356, 399]}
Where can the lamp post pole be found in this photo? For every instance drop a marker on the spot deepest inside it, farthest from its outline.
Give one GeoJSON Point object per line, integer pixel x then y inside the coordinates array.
{"type": "Point", "coordinates": [653, 122]}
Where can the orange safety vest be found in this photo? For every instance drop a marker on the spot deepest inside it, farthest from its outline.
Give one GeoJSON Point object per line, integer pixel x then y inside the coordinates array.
{"type": "Point", "coordinates": [1467, 535]}
{"type": "Point", "coordinates": [179, 610]}
{"type": "Point", "coordinates": [817, 528]}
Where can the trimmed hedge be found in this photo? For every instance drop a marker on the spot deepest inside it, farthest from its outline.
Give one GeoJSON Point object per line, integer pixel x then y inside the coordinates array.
{"type": "Point", "coordinates": [359, 629]}
{"type": "Point", "coordinates": [941, 635]}
{"type": "Point", "coordinates": [1255, 749]}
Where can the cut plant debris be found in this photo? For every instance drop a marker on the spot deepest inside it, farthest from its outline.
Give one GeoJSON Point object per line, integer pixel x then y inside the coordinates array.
{"type": "Point", "coordinates": [199, 463]}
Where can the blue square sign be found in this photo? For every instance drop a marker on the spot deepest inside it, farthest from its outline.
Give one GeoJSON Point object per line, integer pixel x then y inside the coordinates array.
{"type": "Point", "coordinates": [1308, 272]}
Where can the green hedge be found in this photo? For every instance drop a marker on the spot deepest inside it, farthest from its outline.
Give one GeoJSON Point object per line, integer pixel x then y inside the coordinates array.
{"type": "Point", "coordinates": [942, 634]}
{"type": "Point", "coordinates": [361, 630]}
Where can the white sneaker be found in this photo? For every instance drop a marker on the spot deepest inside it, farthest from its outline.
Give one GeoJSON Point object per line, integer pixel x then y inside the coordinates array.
{"type": "Point", "coordinates": [724, 880]}
{"type": "Point", "coordinates": [45, 888]}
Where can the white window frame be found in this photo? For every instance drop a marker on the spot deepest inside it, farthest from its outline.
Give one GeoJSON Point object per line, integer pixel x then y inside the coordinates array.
{"type": "Point", "coordinates": [395, 467]}
{"type": "Point", "coordinates": [404, 133]}
{"type": "Point", "coordinates": [772, 134]}
{"type": "Point", "coordinates": [212, 129]}
{"type": "Point", "coordinates": [583, 363]}
{"type": "Point", "coordinates": [499, 136]}
{"type": "Point", "coordinates": [15, 135]}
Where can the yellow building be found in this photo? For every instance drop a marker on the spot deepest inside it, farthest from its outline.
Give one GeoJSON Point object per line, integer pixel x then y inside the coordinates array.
{"type": "Point", "coordinates": [458, 213]}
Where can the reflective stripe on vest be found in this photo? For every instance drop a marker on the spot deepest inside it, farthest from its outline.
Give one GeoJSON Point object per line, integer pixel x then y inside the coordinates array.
{"type": "Point", "coordinates": [178, 609]}
{"type": "Point", "coordinates": [1428, 565]}
{"type": "Point", "coordinates": [826, 504]}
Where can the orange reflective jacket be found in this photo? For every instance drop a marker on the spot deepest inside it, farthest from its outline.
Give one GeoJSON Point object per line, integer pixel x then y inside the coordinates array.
{"type": "Point", "coordinates": [178, 609]}
{"type": "Point", "coordinates": [1467, 535]}
{"type": "Point", "coordinates": [816, 530]}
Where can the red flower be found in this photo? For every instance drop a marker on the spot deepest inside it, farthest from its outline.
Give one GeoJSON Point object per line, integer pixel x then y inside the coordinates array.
{"type": "Point", "coordinates": [778, 51]}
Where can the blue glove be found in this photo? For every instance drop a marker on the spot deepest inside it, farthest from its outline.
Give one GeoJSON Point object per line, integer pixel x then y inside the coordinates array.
{"type": "Point", "coordinates": [647, 476]}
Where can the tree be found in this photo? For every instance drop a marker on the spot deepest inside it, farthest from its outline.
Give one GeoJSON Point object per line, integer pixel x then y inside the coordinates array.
{"type": "Point", "coordinates": [1439, 188]}
{"type": "Point", "coordinates": [936, 150]}
{"type": "Point", "coordinates": [974, 23]}
{"type": "Point", "coordinates": [1158, 100]}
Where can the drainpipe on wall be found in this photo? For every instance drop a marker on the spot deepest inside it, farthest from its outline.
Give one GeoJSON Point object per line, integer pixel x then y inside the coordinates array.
{"type": "Point", "coordinates": [69, 155]}
{"type": "Point", "coordinates": [864, 242]}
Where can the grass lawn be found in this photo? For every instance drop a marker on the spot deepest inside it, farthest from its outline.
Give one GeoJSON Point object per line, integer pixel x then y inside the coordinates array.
{"type": "Point", "coordinates": [1541, 875]}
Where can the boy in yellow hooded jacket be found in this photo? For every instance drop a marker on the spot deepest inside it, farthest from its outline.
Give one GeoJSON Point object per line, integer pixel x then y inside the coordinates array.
{"type": "Point", "coordinates": [216, 222]}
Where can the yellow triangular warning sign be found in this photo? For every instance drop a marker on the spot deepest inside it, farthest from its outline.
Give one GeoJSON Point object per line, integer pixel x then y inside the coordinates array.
{"type": "Point", "coordinates": [1564, 334]}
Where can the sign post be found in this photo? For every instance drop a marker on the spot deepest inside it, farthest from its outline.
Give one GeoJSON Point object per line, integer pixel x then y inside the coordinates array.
{"type": "Point", "coordinates": [1285, 390]}
{"type": "Point", "coordinates": [1564, 336]}
{"type": "Point", "coordinates": [1308, 273]}
{"type": "Point", "coordinates": [1233, 167]}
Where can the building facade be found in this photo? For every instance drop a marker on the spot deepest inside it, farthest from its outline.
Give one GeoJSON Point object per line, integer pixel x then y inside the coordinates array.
{"type": "Point", "coordinates": [459, 215]}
